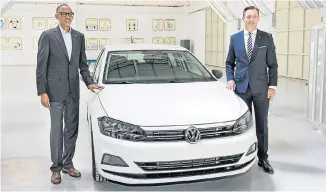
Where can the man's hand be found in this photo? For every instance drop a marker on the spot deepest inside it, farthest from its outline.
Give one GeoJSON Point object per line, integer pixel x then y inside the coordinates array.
{"type": "Point", "coordinates": [231, 85]}
{"type": "Point", "coordinates": [271, 94]}
{"type": "Point", "coordinates": [93, 87]}
{"type": "Point", "coordinates": [45, 100]}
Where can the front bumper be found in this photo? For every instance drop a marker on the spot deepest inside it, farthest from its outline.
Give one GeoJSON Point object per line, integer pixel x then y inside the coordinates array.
{"type": "Point", "coordinates": [169, 162]}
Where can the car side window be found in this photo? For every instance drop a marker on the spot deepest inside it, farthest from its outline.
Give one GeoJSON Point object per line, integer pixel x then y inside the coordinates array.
{"type": "Point", "coordinates": [97, 66]}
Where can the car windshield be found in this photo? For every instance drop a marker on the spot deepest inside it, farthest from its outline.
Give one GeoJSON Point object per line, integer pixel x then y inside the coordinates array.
{"type": "Point", "coordinates": [154, 66]}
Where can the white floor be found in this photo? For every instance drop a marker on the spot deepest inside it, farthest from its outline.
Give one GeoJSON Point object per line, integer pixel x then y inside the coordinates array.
{"type": "Point", "coordinates": [297, 152]}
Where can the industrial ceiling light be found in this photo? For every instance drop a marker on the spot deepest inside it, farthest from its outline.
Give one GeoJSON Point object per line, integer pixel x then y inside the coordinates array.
{"type": "Point", "coordinates": [5, 6]}
{"type": "Point", "coordinates": [216, 9]}
{"type": "Point", "coordinates": [263, 9]}
{"type": "Point", "coordinates": [222, 10]}
{"type": "Point", "coordinates": [40, 2]}
{"type": "Point", "coordinates": [245, 3]}
{"type": "Point", "coordinates": [156, 3]}
{"type": "Point", "coordinates": [320, 4]}
{"type": "Point", "coordinates": [312, 4]}
{"type": "Point", "coordinates": [305, 4]}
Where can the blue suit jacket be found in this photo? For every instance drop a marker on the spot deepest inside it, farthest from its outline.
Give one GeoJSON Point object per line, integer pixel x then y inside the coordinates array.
{"type": "Point", "coordinates": [260, 72]}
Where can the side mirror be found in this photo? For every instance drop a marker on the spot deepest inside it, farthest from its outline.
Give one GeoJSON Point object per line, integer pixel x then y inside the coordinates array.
{"type": "Point", "coordinates": [217, 73]}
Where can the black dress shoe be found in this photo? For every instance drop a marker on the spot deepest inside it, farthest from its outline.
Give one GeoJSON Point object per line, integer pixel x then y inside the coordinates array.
{"type": "Point", "coordinates": [266, 166]}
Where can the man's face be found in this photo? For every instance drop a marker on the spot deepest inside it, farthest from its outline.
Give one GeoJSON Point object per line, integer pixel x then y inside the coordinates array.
{"type": "Point", "coordinates": [251, 19]}
{"type": "Point", "coordinates": [65, 16]}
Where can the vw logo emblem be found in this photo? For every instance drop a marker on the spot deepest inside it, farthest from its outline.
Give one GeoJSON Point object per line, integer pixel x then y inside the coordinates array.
{"type": "Point", "coordinates": [192, 135]}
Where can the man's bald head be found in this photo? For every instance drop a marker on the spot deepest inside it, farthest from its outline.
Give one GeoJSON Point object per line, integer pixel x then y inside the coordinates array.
{"type": "Point", "coordinates": [64, 15]}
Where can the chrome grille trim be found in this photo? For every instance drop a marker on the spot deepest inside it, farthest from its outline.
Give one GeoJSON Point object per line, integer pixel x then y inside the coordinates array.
{"type": "Point", "coordinates": [178, 135]}
{"type": "Point", "coordinates": [188, 173]}
{"type": "Point", "coordinates": [189, 164]}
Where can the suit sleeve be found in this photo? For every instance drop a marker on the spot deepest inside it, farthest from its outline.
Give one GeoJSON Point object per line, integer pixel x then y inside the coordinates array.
{"type": "Point", "coordinates": [230, 61]}
{"type": "Point", "coordinates": [42, 63]}
{"type": "Point", "coordinates": [83, 66]}
{"type": "Point", "coordinates": [272, 62]}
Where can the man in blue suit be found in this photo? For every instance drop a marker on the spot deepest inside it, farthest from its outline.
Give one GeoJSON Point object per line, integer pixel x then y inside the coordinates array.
{"type": "Point", "coordinates": [252, 71]}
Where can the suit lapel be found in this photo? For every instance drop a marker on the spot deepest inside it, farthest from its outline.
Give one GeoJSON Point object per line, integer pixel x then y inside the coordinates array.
{"type": "Point", "coordinates": [74, 40]}
{"type": "Point", "coordinates": [242, 45]}
{"type": "Point", "coordinates": [58, 36]}
{"type": "Point", "coordinates": [257, 43]}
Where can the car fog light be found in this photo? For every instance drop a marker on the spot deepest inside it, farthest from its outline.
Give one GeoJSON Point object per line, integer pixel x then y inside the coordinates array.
{"type": "Point", "coordinates": [252, 149]}
{"type": "Point", "coordinates": [113, 161]}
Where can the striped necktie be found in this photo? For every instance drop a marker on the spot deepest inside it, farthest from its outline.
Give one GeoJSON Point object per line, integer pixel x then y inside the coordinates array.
{"type": "Point", "coordinates": [249, 47]}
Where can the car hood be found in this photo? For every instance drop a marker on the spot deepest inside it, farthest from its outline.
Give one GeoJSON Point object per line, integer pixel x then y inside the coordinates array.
{"type": "Point", "coordinates": [171, 104]}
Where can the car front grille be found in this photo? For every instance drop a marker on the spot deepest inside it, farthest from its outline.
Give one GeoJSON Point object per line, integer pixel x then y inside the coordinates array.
{"type": "Point", "coordinates": [181, 173]}
{"type": "Point", "coordinates": [189, 164]}
{"type": "Point", "coordinates": [179, 135]}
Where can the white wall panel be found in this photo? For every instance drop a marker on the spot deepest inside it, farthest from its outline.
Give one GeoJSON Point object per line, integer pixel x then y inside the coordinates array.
{"type": "Point", "coordinates": [292, 30]}
{"type": "Point", "coordinates": [26, 12]}
{"type": "Point", "coordinates": [119, 15]}
{"type": "Point", "coordinates": [196, 32]}
{"type": "Point", "coordinates": [184, 27]}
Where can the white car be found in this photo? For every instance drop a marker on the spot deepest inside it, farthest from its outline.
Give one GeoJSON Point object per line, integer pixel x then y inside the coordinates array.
{"type": "Point", "coordinates": [163, 117]}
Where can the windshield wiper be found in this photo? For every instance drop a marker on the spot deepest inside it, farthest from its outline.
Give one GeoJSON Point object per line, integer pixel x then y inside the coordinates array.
{"type": "Point", "coordinates": [174, 81]}
{"type": "Point", "coordinates": [119, 82]}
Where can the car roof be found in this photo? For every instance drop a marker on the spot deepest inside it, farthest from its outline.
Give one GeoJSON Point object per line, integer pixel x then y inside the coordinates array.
{"type": "Point", "coordinates": [143, 46]}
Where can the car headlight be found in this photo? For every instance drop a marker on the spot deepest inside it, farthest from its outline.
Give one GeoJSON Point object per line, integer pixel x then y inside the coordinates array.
{"type": "Point", "coordinates": [120, 130]}
{"type": "Point", "coordinates": [243, 123]}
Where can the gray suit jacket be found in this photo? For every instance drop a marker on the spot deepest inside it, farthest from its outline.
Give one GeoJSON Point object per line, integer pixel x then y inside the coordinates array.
{"type": "Point", "coordinates": [261, 71]}
{"type": "Point", "coordinates": [55, 74]}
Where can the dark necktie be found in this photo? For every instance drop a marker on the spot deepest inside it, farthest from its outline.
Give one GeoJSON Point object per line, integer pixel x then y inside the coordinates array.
{"type": "Point", "coordinates": [249, 47]}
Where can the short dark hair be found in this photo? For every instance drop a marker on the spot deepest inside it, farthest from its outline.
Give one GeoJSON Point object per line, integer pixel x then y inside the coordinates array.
{"type": "Point", "coordinates": [62, 5]}
{"type": "Point", "coordinates": [249, 8]}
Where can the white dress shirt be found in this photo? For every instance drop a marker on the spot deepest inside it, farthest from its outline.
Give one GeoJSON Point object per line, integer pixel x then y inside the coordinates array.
{"type": "Point", "coordinates": [67, 39]}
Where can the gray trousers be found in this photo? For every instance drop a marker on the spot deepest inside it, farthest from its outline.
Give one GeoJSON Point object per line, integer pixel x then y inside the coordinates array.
{"type": "Point", "coordinates": [261, 106]}
{"type": "Point", "coordinates": [63, 141]}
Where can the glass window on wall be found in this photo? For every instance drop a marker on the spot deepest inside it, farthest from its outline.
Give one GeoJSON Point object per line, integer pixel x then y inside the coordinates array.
{"type": "Point", "coordinates": [215, 39]}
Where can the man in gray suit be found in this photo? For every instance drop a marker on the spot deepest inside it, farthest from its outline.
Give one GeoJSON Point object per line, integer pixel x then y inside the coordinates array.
{"type": "Point", "coordinates": [61, 53]}
{"type": "Point", "coordinates": [252, 53]}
